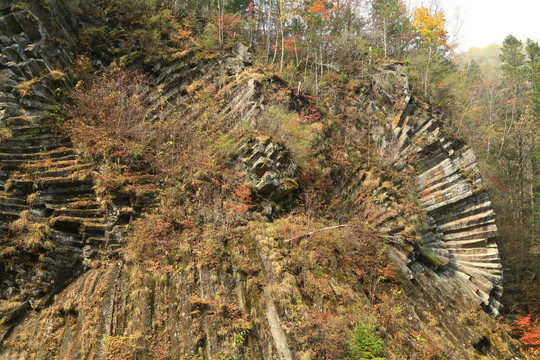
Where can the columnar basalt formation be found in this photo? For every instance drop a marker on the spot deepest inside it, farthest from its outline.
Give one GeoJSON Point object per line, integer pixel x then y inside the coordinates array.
{"type": "Point", "coordinates": [461, 221]}
{"type": "Point", "coordinates": [51, 221]}
{"type": "Point", "coordinates": [268, 168]}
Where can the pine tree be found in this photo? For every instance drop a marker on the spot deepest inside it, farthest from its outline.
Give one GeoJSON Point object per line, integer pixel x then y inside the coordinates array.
{"type": "Point", "coordinates": [533, 52]}
{"type": "Point", "coordinates": [513, 64]}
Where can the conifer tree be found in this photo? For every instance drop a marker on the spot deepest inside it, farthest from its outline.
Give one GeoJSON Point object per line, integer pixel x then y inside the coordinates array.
{"type": "Point", "coordinates": [533, 52]}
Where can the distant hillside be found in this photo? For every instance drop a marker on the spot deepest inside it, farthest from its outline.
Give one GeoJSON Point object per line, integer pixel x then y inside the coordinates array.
{"type": "Point", "coordinates": [488, 55]}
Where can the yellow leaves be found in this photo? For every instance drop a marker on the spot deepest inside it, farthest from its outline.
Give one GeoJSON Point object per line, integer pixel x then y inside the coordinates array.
{"type": "Point", "coordinates": [431, 27]}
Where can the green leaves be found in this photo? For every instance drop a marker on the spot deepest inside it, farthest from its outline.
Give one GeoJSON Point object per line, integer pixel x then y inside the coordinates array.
{"type": "Point", "coordinates": [512, 58]}
{"type": "Point", "coordinates": [366, 344]}
{"type": "Point", "coordinates": [533, 52]}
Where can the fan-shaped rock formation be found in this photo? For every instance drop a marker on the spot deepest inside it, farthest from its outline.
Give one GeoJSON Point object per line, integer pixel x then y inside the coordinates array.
{"type": "Point", "coordinates": [461, 219]}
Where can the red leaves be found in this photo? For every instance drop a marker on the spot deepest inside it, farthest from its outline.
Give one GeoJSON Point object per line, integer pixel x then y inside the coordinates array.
{"type": "Point", "coordinates": [229, 25]}
{"type": "Point", "coordinates": [528, 331]}
{"type": "Point", "coordinates": [241, 199]}
{"type": "Point", "coordinates": [311, 114]}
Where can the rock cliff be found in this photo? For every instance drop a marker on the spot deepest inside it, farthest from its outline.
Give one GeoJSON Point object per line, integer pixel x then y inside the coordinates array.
{"type": "Point", "coordinates": [262, 286]}
{"type": "Point", "coordinates": [461, 220]}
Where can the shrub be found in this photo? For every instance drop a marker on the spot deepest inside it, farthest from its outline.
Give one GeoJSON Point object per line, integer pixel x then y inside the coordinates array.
{"type": "Point", "coordinates": [528, 331]}
{"type": "Point", "coordinates": [4, 134]}
{"type": "Point", "coordinates": [120, 347]}
{"type": "Point", "coordinates": [107, 118]}
{"type": "Point", "coordinates": [325, 334]}
{"type": "Point", "coordinates": [209, 37]}
{"type": "Point", "coordinates": [123, 28]}
{"type": "Point", "coordinates": [292, 130]}
{"type": "Point", "coordinates": [366, 344]}
{"type": "Point", "coordinates": [152, 240]}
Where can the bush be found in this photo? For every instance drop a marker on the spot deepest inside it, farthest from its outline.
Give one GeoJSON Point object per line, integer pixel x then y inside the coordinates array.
{"type": "Point", "coordinates": [528, 331]}
{"type": "Point", "coordinates": [31, 235]}
{"type": "Point", "coordinates": [108, 116]}
{"type": "Point", "coordinates": [325, 334]}
{"type": "Point", "coordinates": [139, 32]}
{"type": "Point", "coordinates": [366, 344]}
{"type": "Point", "coordinates": [153, 240]}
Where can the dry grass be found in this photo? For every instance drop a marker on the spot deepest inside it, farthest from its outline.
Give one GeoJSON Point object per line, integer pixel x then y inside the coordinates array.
{"type": "Point", "coordinates": [25, 88]}
{"type": "Point", "coordinates": [22, 223]}
{"type": "Point", "coordinates": [31, 235]}
{"type": "Point", "coordinates": [57, 75]}
{"type": "Point", "coordinates": [8, 252]}
{"type": "Point", "coordinates": [31, 198]}
{"type": "Point", "coordinates": [5, 134]}
{"type": "Point", "coordinates": [37, 238]}
{"type": "Point", "coordinates": [3, 79]}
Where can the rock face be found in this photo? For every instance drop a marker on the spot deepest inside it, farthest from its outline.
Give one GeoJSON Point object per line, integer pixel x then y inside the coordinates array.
{"type": "Point", "coordinates": [268, 168]}
{"type": "Point", "coordinates": [51, 221]}
{"type": "Point", "coordinates": [461, 220]}
{"type": "Point", "coordinates": [56, 305]}
{"type": "Point", "coordinates": [29, 146]}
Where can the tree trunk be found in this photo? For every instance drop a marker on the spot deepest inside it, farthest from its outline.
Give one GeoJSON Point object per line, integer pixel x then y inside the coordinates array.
{"type": "Point", "coordinates": [268, 14]}
{"type": "Point", "coordinates": [384, 36]}
{"type": "Point", "coordinates": [427, 70]}
{"type": "Point", "coordinates": [507, 131]}
{"type": "Point", "coordinates": [281, 32]}
{"type": "Point", "coordinates": [520, 194]}
{"type": "Point", "coordinates": [490, 121]}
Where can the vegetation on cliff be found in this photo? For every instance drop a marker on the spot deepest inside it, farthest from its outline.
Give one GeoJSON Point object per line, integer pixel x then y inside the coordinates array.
{"type": "Point", "coordinates": [239, 150]}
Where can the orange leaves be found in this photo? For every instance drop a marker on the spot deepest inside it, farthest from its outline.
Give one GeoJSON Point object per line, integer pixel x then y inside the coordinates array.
{"type": "Point", "coordinates": [229, 25]}
{"type": "Point", "coordinates": [182, 34]}
{"type": "Point", "coordinates": [528, 331]}
{"type": "Point", "coordinates": [317, 7]}
{"type": "Point", "coordinates": [108, 114]}
{"type": "Point", "coordinates": [322, 8]}
{"type": "Point", "coordinates": [241, 199]}
{"type": "Point", "coordinates": [431, 28]}
{"type": "Point", "coordinates": [152, 241]}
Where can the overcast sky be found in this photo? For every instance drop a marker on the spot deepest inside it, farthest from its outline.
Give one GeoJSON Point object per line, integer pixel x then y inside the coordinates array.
{"type": "Point", "coordinates": [485, 22]}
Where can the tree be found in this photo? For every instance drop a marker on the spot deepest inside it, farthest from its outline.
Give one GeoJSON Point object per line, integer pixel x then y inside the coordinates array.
{"type": "Point", "coordinates": [389, 17]}
{"type": "Point", "coordinates": [513, 69]}
{"type": "Point", "coordinates": [513, 63]}
{"type": "Point", "coordinates": [528, 331]}
{"type": "Point", "coordinates": [432, 35]}
{"type": "Point", "coordinates": [473, 73]}
{"type": "Point", "coordinates": [533, 52]}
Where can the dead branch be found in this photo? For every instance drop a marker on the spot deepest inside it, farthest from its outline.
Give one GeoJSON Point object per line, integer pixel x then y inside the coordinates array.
{"type": "Point", "coordinates": [303, 236]}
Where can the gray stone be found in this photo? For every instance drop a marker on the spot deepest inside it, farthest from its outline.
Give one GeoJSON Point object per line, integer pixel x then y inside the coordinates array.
{"type": "Point", "coordinates": [459, 215]}
{"type": "Point", "coordinates": [29, 25]}
{"type": "Point", "coordinates": [241, 52]}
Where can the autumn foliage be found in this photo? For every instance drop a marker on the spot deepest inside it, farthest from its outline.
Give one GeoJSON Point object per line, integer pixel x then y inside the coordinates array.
{"type": "Point", "coordinates": [430, 27]}
{"type": "Point", "coordinates": [527, 329]}
{"type": "Point", "coordinates": [108, 116]}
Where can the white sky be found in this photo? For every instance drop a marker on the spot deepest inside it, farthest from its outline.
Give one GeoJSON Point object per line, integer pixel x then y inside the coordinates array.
{"type": "Point", "coordinates": [485, 22]}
